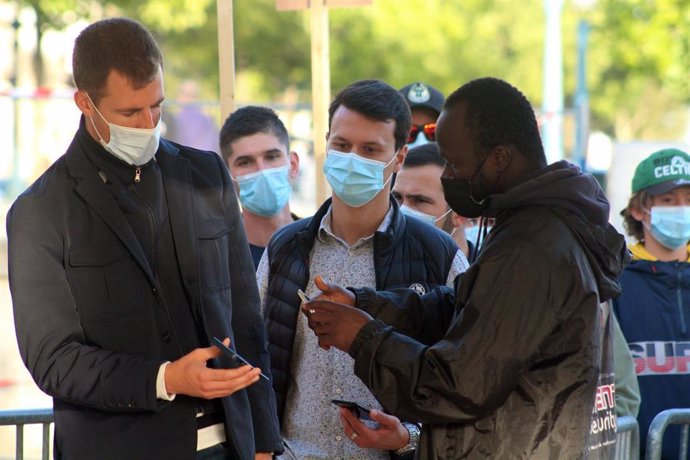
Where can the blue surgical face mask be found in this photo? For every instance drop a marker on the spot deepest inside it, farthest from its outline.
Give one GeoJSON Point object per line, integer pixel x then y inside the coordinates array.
{"type": "Point", "coordinates": [670, 225]}
{"type": "Point", "coordinates": [428, 218]}
{"type": "Point", "coordinates": [265, 192]}
{"type": "Point", "coordinates": [354, 179]}
{"type": "Point", "coordinates": [472, 233]}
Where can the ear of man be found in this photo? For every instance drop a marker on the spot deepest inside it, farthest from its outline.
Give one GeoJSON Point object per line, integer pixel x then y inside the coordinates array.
{"type": "Point", "coordinates": [400, 158]}
{"type": "Point", "coordinates": [501, 158]}
{"type": "Point", "coordinates": [293, 159]}
{"type": "Point", "coordinates": [81, 99]}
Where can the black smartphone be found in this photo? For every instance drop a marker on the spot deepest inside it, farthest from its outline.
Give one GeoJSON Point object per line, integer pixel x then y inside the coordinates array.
{"type": "Point", "coordinates": [360, 412]}
{"type": "Point", "coordinates": [233, 354]}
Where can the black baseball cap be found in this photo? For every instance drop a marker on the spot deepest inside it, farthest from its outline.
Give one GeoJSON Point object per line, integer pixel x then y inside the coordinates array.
{"type": "Point", "coordinates": [420, 94]}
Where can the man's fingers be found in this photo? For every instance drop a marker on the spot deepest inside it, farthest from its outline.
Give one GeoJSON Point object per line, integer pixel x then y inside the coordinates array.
{"type": "Point", "coordinates": [222, 382]}
{"type": "Point", "coordinates": [364, 437]}
{"type": "Point", "coordinates": [333, 292]}
{"type": "Point", "coordinates": [383, 419]}
{"type": "Point", "coordinates": [322, 285]}
{"type": "Point", "coordinates": [322, 306]}
{"type": "Point", "coordinates": [324, 344]}
{"type": "Point", "coordinates": [349, 419]}
{"type": "Point", "coordinates": [319, 318]}
{"type": "Point", "coordinates": [321, 329]}
{"type": "Point", "coordinates": [204, 354]}
{"type": "Point", "coordinates": [320, 324]}
{"type": "Point", "coordinates": [226, 375]}
{"type": "Point", "coordinates": [215, 351]}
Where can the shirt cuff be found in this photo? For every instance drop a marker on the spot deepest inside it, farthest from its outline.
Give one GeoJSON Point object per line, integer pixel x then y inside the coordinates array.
{"type": "Point", "coordinates": [161, 392]}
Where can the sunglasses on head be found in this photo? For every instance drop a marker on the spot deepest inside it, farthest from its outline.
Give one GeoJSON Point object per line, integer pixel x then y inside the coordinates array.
{"type": "Point", "coordinates": [428, 129]}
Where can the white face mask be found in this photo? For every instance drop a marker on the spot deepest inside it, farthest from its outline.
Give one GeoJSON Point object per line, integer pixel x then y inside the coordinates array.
{"type": "Point", "coordinates": [428, 218]}
{"type": "Point", "coordinates": [134, 146]}
{"type": "Point", "coordinates": [420, 140]}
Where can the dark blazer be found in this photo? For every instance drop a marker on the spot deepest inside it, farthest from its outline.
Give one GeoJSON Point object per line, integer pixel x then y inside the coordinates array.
{"type": "Point", "coordinates": [91, 324]}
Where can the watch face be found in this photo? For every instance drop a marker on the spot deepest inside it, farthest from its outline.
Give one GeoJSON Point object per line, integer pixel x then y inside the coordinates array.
{"type": "Point", "coordinates": [411, 446]}
{"type": "Point", "coordinates": [414, 435]}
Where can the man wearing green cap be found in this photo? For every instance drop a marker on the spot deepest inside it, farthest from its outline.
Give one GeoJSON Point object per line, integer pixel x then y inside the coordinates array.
{"type": "Point", "coordinates": [654, 307]}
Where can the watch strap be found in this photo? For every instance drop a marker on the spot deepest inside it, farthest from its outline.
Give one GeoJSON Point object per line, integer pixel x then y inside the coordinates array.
{"type": "Point", "coordinates": [411, 446]}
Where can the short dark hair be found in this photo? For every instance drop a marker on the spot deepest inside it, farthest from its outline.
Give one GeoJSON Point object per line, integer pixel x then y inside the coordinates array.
{"type": "Point", "coordinates": [378, 101]}
{"type": "Point", "coordinates": [497, 113]}
{"type": "Point", "coordinates": [248, 121]}
{"type": "Point", "coordinates": [119, 44]}
{"type": "Point", "coordinates": [422, 155]}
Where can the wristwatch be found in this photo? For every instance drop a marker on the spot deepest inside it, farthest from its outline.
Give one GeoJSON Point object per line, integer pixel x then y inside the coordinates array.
{"type": "Point", "coordinates": [414, 431]}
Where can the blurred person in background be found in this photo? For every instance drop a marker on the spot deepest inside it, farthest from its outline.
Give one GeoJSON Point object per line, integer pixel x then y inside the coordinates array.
{"type": "Point", "coordinates": [191, 126]}
{"type": "Point", "coordinates": [126, 257]}
{"type": "Point", "coordinates": [426, 103]}
{"type": "Point", "coordinates": [654, 307]}
{"type": "Point", "coordinates": [419, 193]}
{"type": "Point", "coordinates": [256, 147]}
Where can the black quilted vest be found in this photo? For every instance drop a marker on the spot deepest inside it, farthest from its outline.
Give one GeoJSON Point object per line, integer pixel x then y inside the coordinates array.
{"type": "Point", "coordinates": [408, 253]}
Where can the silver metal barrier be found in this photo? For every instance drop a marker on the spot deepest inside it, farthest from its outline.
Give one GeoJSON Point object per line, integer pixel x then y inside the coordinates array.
{"type": "Point", "coordinates": [655, 437]}
{"type": "Point", "coordinates": [627, 438]}
{"type": "Point", "coordinates": [28, 417]}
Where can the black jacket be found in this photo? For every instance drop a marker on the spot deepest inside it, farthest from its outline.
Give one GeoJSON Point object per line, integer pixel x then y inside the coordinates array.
{"type": "Point", "coordinates": [528, 347]}
{"type": "Point", "coordinates": [92, 328]}
{"type": "Point", "coordinates": [409, 252]}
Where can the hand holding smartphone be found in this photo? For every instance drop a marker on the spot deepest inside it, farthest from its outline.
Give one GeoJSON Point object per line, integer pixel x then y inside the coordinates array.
{"type": "Point", "coordinates": [360, 412]}
{"type": "Point", "coordinates": [233, 354]}
{"type": "Point", "coordinates": [305, 299]}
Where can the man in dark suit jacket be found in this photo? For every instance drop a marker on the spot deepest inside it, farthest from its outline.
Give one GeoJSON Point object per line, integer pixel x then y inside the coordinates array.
{"type": "Point", "coordinates": [125, 258]}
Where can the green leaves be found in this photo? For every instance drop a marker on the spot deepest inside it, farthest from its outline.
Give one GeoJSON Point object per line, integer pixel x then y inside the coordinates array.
{"type": "Point", "coordinates": [638, 55]}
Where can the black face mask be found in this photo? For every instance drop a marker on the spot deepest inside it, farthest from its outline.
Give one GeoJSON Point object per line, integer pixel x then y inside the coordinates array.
{"type": "Point", "coordinates": [459, 197]}
{"type": "Point", "coordinates": [458, 194]}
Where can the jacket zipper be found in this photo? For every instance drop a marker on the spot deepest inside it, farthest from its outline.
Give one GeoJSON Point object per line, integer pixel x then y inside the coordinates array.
{"type": "Point", "coordinates": [152, 221]}
{"type": "Point", "coordinates": [137, 175]}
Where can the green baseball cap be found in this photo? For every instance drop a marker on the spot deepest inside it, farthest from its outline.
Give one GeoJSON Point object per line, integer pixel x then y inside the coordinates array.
{"type": "Point", "coordinates": [662, 171]}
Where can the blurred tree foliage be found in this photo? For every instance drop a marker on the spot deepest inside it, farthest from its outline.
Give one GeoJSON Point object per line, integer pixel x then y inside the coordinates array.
{"type": "Point", "coordinates": [53, 14]}
{"type": "Point", "coordinates": [638, 55]}
{"type": "Point", "coordinates": [639, 71]}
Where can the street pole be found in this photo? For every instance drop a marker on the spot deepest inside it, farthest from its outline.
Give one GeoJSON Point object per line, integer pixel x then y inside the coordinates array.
{"type": "Point", "coordinates": [15, 184]}
{"type": "Point", "coordinates": [581, 96]}
{"type": "Point", "coordinates": [226, 58]}
{"type": "Point", "coordinates": [320, 90]}
{"type": "Point", "coordinates": [320, 76]}
{"type": "Point", "coordinates": [552, 113]}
